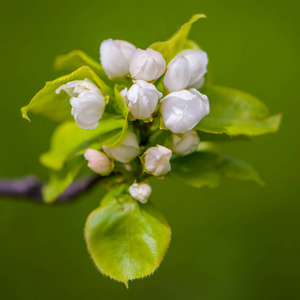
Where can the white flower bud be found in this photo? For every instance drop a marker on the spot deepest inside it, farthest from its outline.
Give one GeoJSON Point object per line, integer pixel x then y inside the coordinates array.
{"type": "Point", "coordinates": [141, 99]}
{"type": "Point", "coordinates": [185, 144]}
{"type": "Point", "coordinates": [147, 65]}
{"type": "Point", "coordinates": [140, 191]}
{"type": "Point", "coordinates": [126, 150]}
{"type": "Point", "coordinates": [98, 162]}
{"type": "Point", "coordinates": [198, 61]}
{"type": "Point", "coordinates": [73, 88]}
{"type": "Point", "coordinates": [199, 84]}
{"type": "Point", "coordinates": [178, 74]}
{"type": "Point", "coordinates": [115, 56]}
{"type": "Point", "coordinates": [157, 160]}
{"type": "Point", "coordinates": [183, 110]}
{"type": "Point", "coordinates": [88, 106]}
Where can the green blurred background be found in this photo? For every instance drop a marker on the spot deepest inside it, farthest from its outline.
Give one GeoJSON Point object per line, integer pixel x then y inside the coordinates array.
{"type": "Point", "coordinates": [238, 241]}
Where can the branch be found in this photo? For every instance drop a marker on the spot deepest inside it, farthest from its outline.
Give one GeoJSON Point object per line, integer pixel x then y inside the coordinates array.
{"type": "Point", "coordinates": [30, 188]}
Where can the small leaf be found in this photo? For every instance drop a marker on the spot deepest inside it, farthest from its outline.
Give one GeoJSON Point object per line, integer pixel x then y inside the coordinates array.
{"type": "Point", "coordinates": [236, 113]}
{"type": "Point", "coordinates": [238, 169]}
{"type": "Point", "coordinates": [178, 42]}
{"type": "Point", "coordinates": [118, 105]}
{"type": "Point", "coordinates": [57, 106]}
{"type": "Point", "coordinates": [112, 138]}
{"type": "Point", "coordinates": [60, 180]}
{"type": "Point", "coordinates": [76, 59]}
{"type": "Point", "coordinates": [206, 167]}
{"type": "Point", "coordinates": [126, 239]}
{"type": "Point", "coordinates": [69, 139]}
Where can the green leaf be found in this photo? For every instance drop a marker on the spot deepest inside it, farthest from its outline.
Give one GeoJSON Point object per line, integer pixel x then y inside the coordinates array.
{"type": "Point", "coordinates": [112, 138]}
{"type": "Point", "coordinates": [238, 169]}
{"type": "Point", "coordinates": [236, 113]}
{"type": "Point", "coordinates": [211, 137]}
{"type": "Point", "coordinates": [57, 106]}
{"type": "Point", "coordinates": [178, 42]}
{"type": "Point", "coordinates": [69, 140]}
{"type": "Point", "coordinates": [76, 59]}
{"type": "Point", "coordinates": [126, 239]}
{"type": "Point", "coordinates": [118, 104]}
{"type": "Point", "coordinates": [205, 168]}
{"type": "Point", "coordinates": [60, 180]}
{"type": "Point", "coordinates": [198, 169]}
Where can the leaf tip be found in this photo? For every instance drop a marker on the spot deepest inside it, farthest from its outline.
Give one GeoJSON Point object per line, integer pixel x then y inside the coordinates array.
{"type": "Point", "coordinates": [197, 17]}
{"type": "Point", "coordinates": [24, 113]}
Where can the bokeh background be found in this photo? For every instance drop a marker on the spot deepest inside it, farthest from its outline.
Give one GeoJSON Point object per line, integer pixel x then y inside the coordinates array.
{"type": "Point", "coordinates": [238, 241]}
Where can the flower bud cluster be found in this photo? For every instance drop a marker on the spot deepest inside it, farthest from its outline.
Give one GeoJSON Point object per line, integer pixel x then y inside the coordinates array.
{"type": "Point", "coordinates": [181, 108]}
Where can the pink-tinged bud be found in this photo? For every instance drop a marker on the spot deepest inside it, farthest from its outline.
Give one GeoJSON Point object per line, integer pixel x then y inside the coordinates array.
{"type": "Point", "coordinates": [98, 162]}
{"type": "Point", "coordinates": [157, 160]}
{"type": "Point", "coordinates": [140, 191]}
{"type": "Point", "coordinates": [147, 65]}
{"type": "Point", "coordinates": [115, 56]}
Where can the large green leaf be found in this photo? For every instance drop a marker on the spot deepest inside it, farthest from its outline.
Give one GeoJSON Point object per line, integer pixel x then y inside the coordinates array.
{"type": "Point", "coordinates": [76, 59]}
{"type": "Point", "coordinates": [126, 239]}
{"type": "Point", "coordinates": [206, 168]}
{"type": "Point", "coordinates": [60, 180]}
{"type": "Point", "coordinates": [178, 42]}
{"type": "Point", "coordinates": [236, 113]}
{"type": "Point", "coordinates": [57, 106]}
{"type": "Point", "coordinates": [69, 139]}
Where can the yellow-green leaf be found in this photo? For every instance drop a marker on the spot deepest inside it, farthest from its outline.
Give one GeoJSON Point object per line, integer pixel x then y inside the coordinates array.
{"type": "Point", "coordinates": [60, 180]}
{"type": "Point", "coordinates": [236, 113]}
{"type": "Point", "coordinates": [57, 106]}
{"type": "Point", "coordinates": [178, 42]}
{"type": "Point", "coordinates": [69, 139]}
{"type": "Point", "coordinates": [126, 239]}
{"type": "Point", "coordinates": [76, 59]}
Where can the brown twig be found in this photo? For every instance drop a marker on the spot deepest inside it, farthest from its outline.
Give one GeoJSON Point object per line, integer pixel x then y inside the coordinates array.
{"type": "Point", "coordinates": [30, 188]}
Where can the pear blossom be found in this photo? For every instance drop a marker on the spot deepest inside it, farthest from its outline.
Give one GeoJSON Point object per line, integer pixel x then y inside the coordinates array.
{"type": "Point", "coordinates": [87, 102]}
{"type": "Point", "coordinates": [140, 191]}
{"type": "Point", "coordinates": [178, 74]}
{"type": "Point", "coordinates": [183, 110]}
{"type": "Point", "coordinates": [185, 144]}
{"type": "Point", "coordinates": [157, 160]}
{"type": "Point", "coordinates": [141, 99]}
{"type": "Point", "coordinates": [98, 162]}
{"type": "Point", "coordinates": [198, 61]}
{"type": "Point", "coordinates": [147, 65]}
{"type": "Point", "coordinates": [115, 56]}
{"type": "Point", "coordinates": [126, 150]}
